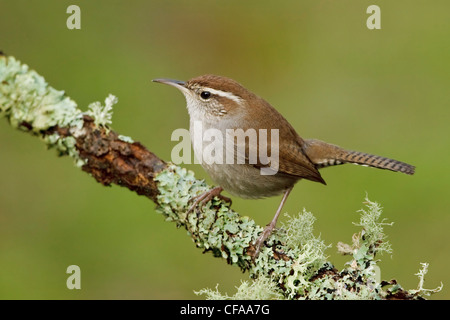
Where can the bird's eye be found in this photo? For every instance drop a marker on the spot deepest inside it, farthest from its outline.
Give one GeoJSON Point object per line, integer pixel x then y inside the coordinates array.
{"type": "Point", "coordinates": [205, 94]}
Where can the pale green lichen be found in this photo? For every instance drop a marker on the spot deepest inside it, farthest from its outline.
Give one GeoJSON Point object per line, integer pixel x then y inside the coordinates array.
{"type": "Point", "coordinates": [311, 277]}
{"type": "Point", "coordinates": [421, 291]}
{"type": "Point", "coordinates": [64, 146]}
{"type": "Point", "coordinates": [30, 104]}
{"type": "Point", "coordinates": [373, 227]}
{"type": "Point", "coordinates": [262, 288]}
{"type": "Point", "coordinates": [102, 114]}
{"type": "Point", "coordinates": [307, 253]}
{"type": "Point", "coordinates": [26, 97]}
{"type": "Point", "coordinates": [125, 138]}
{"type": "Point", "coordinates": [216, 227]}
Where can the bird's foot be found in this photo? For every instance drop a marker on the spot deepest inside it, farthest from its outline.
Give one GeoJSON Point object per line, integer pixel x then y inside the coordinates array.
{"type": "Point", "coordinates": [259, 243]}
{"type": "Point", "coordinates": [202, 199]}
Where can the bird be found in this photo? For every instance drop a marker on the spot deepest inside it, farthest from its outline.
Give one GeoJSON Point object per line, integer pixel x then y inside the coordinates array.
{"type": "Point", "coordinates": [226, 107]}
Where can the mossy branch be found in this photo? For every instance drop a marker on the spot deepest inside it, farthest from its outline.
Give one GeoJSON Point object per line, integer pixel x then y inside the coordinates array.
{"type": "Point", "coordinates": [292, 265]}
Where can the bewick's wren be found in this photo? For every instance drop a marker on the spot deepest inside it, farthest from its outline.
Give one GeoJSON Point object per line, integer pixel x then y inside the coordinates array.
{"type": "Point", "coordinates": [223, 104]}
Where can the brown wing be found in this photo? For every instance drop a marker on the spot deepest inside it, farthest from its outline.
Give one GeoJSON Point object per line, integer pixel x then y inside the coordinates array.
{"type": "Point", "coordinates": [292, 160]}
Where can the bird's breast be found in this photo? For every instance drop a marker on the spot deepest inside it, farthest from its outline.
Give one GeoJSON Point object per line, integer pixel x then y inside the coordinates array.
{"type": "Point", "coordinates": [228, 167]}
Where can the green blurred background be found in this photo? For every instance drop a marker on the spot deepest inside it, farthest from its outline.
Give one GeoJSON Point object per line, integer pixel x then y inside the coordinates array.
{"type": "Point", "coordinates": [380, 91]}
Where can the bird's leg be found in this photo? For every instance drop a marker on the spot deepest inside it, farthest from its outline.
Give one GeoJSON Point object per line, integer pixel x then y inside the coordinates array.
{"type": "Point", "coordinates": [207, 196]}
{"type": "Point", "coordinates": [269, 228]}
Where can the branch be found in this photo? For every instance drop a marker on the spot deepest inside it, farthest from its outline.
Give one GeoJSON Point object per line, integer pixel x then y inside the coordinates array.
{"type": "Point", "coordinates": [293, 260]}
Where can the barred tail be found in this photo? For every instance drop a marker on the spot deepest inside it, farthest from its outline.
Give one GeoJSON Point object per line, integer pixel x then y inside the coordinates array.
{"type": "Point", "coordinates": [374, 161]}
{"type": "Point", "coordinates": [323, 155]}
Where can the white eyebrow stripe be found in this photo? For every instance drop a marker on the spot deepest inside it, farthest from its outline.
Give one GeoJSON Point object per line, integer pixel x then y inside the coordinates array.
{"type": "Point", "coordinates": [225, 94]}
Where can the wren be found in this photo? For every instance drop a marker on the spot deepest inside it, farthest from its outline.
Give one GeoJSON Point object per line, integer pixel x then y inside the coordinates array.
{"type": "Point", "coordinates": [223, 104]}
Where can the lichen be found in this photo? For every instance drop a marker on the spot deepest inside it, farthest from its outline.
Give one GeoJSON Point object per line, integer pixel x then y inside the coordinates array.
{"type": "Point", "coordinates": [102, 114]}
{"type": "Point", "coordinates": [263, 288]}
{"type": "Point", "coordinates": [125, 138]}
{"type": "Point", "coordinates": [29, 103]}
{"type": "Point", "coordinates": [421, 291]}
{"type": "Point", "coordinates": [373, 227]}
{"type": "Point", "coordinates": [26, 97]}
{"type": "Point", "coordinates": [214, 227]}
{"type": "Point", "coordinates": [310, 276]}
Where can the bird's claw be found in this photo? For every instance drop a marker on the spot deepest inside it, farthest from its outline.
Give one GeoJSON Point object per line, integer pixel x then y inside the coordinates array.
{"type": "Point", "coordinates": [202, 199]}
{"type": "Point", "coordinates": [259, 243]}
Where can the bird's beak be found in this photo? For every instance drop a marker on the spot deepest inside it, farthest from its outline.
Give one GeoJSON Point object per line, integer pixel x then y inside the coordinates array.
{"type": "Point", "coordinates": [174, 83]}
